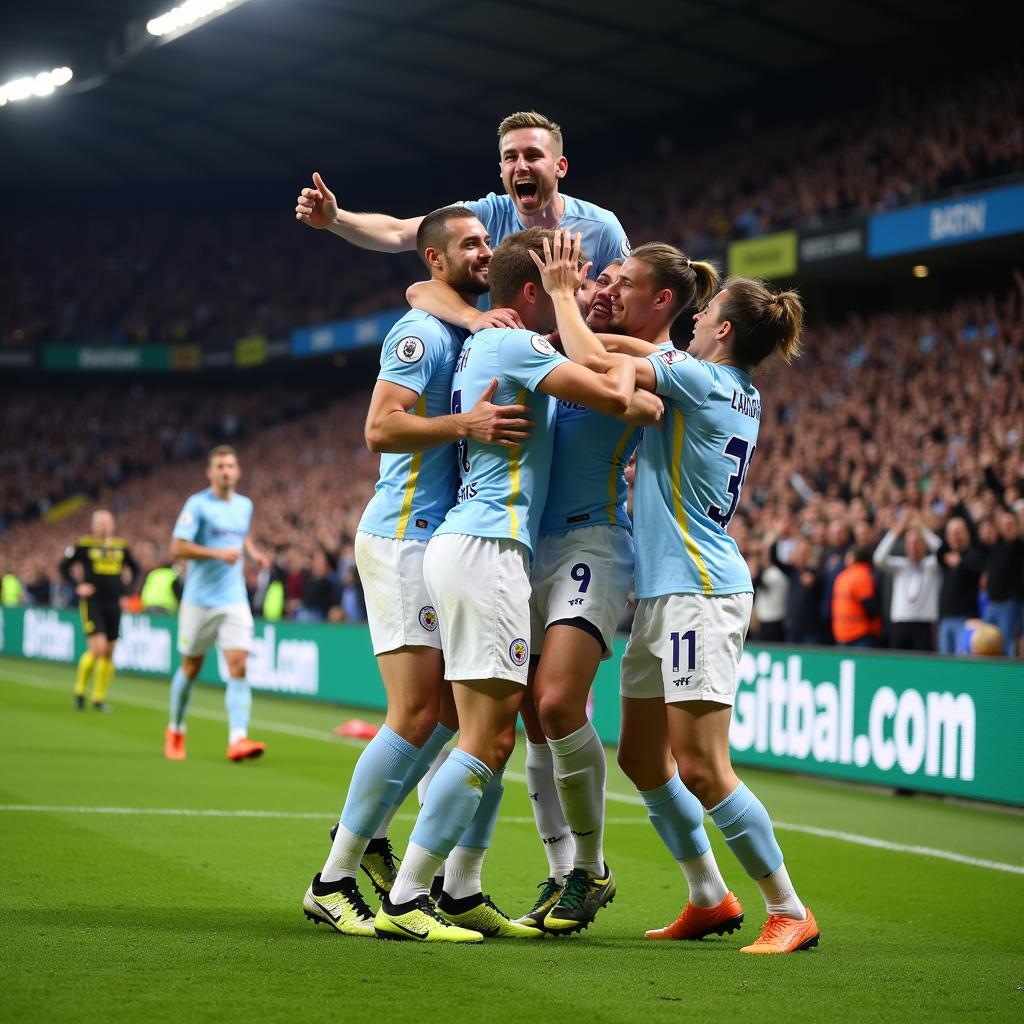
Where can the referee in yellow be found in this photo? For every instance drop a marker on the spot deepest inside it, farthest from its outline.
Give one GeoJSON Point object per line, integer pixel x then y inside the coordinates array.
{"type": "Point", "coordinates": [102, 561]}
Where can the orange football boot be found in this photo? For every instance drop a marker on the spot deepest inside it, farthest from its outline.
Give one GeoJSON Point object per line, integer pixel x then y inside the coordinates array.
{"type": "Point", "coordinates": [245, 747]}
{"type": "Point", "coordinates": [784, 935]}
{"type": "Point", "coordinates": [174, 744]}
{"type": "Point", "coordinates": [696, 922]}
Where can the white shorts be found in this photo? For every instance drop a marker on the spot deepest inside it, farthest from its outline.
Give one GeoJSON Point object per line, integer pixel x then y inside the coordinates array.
{"type": "Point", "coordinates": [586, 574]}
{"type": "Point", "coordinates": [686, 647]}
{"type": "Point", "coordinates": [398, 608]}
{"type": "Point", "coordinates": [199, 628]}
{"type": "Point", "coordinates": [481, 590]}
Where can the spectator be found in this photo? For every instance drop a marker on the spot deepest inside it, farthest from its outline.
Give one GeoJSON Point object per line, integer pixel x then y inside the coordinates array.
{"type": "Point", "coordinates": [1003, 581]}
{"type": "Point", "coordinates": [320, 590]}
{"type": "Point", "coordinates": [770, 590]}
{"type": "Point", "coordinates": [855, 610]}
{"type": "Point", "coordinates": [962, 565]}
{"type": "Point", "coordinates": [803, 594]}
{"type": "Point", "coordinates": [916, 578]}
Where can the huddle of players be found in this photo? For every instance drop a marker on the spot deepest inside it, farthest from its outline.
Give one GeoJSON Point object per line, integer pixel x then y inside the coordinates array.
{"type": "Point", "coordinates": [518, 587]}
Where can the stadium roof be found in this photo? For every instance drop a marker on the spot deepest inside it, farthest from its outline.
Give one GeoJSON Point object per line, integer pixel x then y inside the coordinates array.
{"type": "Point", "coordinates": [277, 84]}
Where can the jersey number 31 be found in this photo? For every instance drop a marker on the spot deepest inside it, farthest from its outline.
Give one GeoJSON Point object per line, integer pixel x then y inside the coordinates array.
{"type": "Point", "coordinates": [740, 449]}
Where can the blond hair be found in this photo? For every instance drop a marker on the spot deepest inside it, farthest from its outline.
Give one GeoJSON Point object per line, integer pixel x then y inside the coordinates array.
{"type": "Point", "coordinates": [764, 322]}
{"type": "Point", "coordinates": [531, 119]}
{"type": "Point", "coordinates": [692, 282]}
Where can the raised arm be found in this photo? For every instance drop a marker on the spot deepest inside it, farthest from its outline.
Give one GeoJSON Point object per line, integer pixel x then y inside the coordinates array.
{"type": "Point", "coordinates": [318, 207]}
{"type": "Point", "coordinates": [391, 428]}
{"type": "Point", "coordinates": [561, 276]}
{"type": "Point", "coordinates": [440, 299]}
{"type": "Point", "coordinates": [882, 556]}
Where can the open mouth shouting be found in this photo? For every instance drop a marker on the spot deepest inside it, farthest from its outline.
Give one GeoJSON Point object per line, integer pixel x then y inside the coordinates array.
{"type": "Point", "coordinates": [526, 191]}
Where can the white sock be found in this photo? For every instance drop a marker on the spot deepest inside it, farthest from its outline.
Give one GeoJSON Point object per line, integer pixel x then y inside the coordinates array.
{"type": "Point", "coordinates": [418, 867]}
{"type": "Point", "coordinates": [707, 887]}
{"type": "Point", "coordinates": [779, 895]}
{"type": "Point", "coordinates": [462, 872]}
{"type": "Point", "coordinates": [237, 734]}
{"type": "Point", "coordinates": [382, 832]}
{"type": "Point", "coordinates": [421, 788]}
{"type": "Point", "coordinates": [579, 770]}
{"type": "Point", "coordinates": [346, 852]}
{"type": "Point", "coordinates": [547, 811]}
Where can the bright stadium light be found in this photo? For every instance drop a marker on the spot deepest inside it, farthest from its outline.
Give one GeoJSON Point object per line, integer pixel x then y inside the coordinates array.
{"type": "Point", "coordinates": [189, 15]}
{"type": "Point", "coordinates": [43, 84]}
{"type": "Point", "coordinates": [920, 270]}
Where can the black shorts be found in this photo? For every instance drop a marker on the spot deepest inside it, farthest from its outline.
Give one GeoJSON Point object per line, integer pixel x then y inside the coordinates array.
{"type": "Point", "coordinates": [100, 617]}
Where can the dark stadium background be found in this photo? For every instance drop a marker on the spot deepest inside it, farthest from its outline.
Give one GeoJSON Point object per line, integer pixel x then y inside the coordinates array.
{"type": "Point", "coordinates": [169, 186]}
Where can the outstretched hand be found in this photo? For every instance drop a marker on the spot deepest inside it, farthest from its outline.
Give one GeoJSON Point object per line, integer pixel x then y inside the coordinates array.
{"type": "Point", "coordinates": [316, 206]}
{"type": "Point", "coordinates": [560, 271]}
{"type": "Point", "coordinates": [507, 425]}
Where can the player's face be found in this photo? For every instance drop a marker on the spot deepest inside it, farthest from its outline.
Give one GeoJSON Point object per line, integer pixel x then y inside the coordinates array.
{"type": "Point", "coordinates": [468, 256]}
{"type": "Point", "coordinates": [706, 324]}
{"type": "Point", "coordinates": [599, 313]}
{"type": "Point", "coordinates": [529, 168]}
{"type": "Point", "coordinates": [103, 524]}
{"type": "Point", "coordinates": [632, 296]}
{"type": "Point", "coordinates": [223, 472]}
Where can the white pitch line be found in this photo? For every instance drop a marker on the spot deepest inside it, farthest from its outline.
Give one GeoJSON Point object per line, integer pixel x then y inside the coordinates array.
{"type": "Point", "coordinates": [633, 799]}
{"type": "Point", "coordinates": [204, 812]}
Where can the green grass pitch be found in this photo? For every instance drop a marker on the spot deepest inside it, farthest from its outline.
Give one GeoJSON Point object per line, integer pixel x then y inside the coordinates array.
{"type": "Point", "coordinates": [124, 914]}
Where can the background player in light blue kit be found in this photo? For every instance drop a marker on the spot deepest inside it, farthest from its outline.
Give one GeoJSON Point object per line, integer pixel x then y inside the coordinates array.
{"type": "Point", "coordinates": [410, 424]}
{"type": "Point", "coordinates": [531, 166]}
{"type": "Point", "coordinates": [695, 594]}
{"type": "Point", "coordinates": [212, 532]}
{"type": "Point", "coordinates": [476, 571]}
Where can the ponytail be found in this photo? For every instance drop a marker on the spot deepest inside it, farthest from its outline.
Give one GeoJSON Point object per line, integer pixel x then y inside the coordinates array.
{"type": "Point", "coordinates": [763, 322]}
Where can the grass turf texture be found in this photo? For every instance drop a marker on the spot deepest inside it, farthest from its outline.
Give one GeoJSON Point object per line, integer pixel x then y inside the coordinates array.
{"type": "Point", "coordinates": [145, 917]}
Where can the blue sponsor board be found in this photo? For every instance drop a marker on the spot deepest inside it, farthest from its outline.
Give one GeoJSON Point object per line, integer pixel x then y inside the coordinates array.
{"type": "Point", "coordinates": [966, 218]}
{"type": "Point", "coordinates": [344, 335]}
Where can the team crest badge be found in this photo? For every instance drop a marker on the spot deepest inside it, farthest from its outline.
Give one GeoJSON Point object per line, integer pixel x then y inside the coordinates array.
{"type": "Point", "coordinates": [409, 350]}
{"type": "Point", "coordinates": [428, 618]}
{"type": "Point", "coordinates": [519, 651]}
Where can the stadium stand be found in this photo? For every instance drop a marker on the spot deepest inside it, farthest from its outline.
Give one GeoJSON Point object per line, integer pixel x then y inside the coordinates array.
{"type": "Point", "coordinates": [838, 459]}
{"type": "Point", "coordinates": [206, 280]}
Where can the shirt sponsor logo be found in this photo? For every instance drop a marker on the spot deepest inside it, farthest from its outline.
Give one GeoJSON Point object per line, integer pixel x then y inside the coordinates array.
{"type": "Point", "coordinates": [410, 350]}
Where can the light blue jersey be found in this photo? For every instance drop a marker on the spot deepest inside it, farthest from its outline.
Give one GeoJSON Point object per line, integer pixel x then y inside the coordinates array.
{"type": "Point", "coordinates": [603, 237]}
{"type": "Point", "coordinates": [213, 522]}
{"type": "Point", "coordinates": [689, 477]}
{"type": "Point", "coordinates": [416, 490]}
{"type": "Point", "coordinates": [503, 490]}
{"type": "Point", "coordinates": [587, 483]}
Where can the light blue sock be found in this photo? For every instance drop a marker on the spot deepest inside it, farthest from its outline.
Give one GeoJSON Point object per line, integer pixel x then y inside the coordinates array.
{"type": "Point", "coordinates": [481, 828]}
{"type": "Point", "coordinates": [181, 691]}
{"type": "Point", "coordinates": [452, 800]}
{"type": "Point", "coordinates": [377, 781]}
{"type": "Point", "coordinates": [425, 758]}
{"type": "Point", "coordinates": [748, 830]}
{"type": "Point", "coordinates": [678, 818]}
{"type": "Point", "coordinates": [238, 701]}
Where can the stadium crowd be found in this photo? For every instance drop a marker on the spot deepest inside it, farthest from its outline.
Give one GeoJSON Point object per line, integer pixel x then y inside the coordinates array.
{"type": "Point", "coordinates": [212, 281]}
{"type": "Point", "coordinates": [904, 422]}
